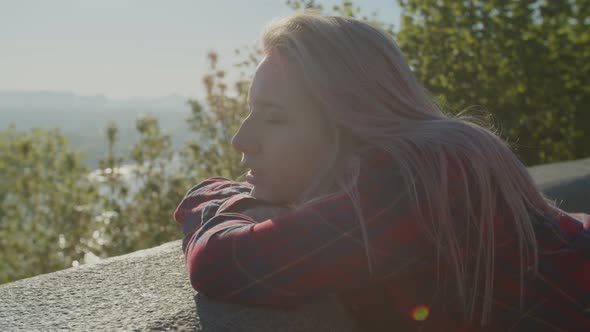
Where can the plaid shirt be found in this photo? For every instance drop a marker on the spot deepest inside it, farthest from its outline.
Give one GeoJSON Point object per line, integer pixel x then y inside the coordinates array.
{"type": "Point", "coordinates": [318, 250]}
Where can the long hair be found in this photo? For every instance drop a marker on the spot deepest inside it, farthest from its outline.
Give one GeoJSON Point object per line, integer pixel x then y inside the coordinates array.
{"type": "Point", "coordinates": [363, 86]}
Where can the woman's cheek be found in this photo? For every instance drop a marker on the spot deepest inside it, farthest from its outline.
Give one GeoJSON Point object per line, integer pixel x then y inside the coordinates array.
{"type": "Point", "coordinates": [292, 162]}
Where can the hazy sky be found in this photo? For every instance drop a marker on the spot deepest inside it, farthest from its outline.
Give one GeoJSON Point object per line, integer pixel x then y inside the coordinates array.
{"type": "Point", "coordinates": [124, 48]}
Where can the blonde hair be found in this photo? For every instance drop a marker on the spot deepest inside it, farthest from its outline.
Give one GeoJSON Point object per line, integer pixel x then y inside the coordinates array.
{"type": "Point", "coordinates": [363, 86]}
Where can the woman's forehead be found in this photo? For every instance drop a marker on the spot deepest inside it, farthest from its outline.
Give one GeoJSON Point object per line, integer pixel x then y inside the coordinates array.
{"type": "Point", "coordinates": [268, 81]}
{"type": "Point", "coordinates": [272, 83]}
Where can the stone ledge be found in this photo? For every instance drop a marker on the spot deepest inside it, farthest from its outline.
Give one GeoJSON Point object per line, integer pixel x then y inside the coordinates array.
{"type": "Point", "coordinates": [566, 182]}
{"type": "Point", "coordinates": [148, 290]}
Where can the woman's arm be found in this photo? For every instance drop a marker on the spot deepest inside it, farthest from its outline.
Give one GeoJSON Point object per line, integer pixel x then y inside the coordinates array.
{"type": "Point", "coordinates": [311, 251]}
{"type": "Point", "coordinates": [202, 202]}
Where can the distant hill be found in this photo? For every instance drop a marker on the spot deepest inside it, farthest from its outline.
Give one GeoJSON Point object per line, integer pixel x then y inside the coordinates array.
{"type": "Point", "coordinates": [83, 119]}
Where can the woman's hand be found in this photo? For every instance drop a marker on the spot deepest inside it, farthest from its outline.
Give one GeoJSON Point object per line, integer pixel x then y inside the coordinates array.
{"type": "Point", "coordinates": [264, 212]}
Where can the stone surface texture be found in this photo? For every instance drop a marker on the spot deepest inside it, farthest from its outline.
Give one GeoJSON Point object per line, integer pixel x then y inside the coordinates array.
{"type": "Point", "coordinates": [568, 183]}
{"type": "Point", "coordinates": [148, 290]}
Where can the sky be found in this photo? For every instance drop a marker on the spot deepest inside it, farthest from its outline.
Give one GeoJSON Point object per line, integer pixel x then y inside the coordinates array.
{"type": "Point", "coordinates": [132, 48]}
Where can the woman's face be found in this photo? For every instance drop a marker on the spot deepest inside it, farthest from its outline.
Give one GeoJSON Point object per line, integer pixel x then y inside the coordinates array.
{"type": "Point", "coordinates": [284, 140]}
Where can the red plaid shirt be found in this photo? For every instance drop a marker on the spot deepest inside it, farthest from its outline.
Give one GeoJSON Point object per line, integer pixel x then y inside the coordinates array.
{"type": "Point", "coordinates": [318, 250]}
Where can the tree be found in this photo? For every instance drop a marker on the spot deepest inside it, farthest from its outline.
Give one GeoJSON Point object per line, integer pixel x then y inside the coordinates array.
{"type": "Point", "coordinates": [138, 201]}
{"type": "Point", "coordinates": [526, 62]}
{"type": "Point", "coordinates": [214, 125]}
{"type": "Point", "coordinates": [46, 204]}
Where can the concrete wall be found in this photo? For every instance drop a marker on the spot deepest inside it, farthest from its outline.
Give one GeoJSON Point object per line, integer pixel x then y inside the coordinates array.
{"type": "Point", "coordinates": [148, 290]}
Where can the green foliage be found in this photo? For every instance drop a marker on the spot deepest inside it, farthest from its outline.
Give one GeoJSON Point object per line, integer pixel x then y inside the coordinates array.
{"type": "Point", "coordinates": [526, 62]}
{"type": "Point", "coordinates": [55, 214]}
{"type": "Point", "coordinates": [345, 8]}
{"type": "Point", "coordinates": [138, 204]}
{"type": "Point", "coordinates": [46, 204]}
{"type": "Point", "coordinates": [215, 125]}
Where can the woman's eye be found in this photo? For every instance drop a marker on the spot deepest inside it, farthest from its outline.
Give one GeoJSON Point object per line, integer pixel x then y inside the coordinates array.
{"type": "Point", "coordinates": [273, 118]}
{"type": "Point", "coordinates": [268, 115]}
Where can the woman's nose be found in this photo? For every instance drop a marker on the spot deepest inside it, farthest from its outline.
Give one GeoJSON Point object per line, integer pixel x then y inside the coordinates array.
{"type": "Point", "coordinates": [245, 140]}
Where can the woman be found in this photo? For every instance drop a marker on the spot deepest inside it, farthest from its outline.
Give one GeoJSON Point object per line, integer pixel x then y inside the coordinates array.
{"type": "Point", "coordinates": [360, 185]}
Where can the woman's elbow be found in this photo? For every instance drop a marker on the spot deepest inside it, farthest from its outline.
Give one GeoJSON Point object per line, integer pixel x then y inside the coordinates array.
{"type": "Point", "coordinates": [203, 272]}
{"type": "Point", "coordinates": [219, 281]}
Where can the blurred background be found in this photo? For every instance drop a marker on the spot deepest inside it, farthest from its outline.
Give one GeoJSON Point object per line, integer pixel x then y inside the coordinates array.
{"type": "Point", "coordinates": [111, 110]}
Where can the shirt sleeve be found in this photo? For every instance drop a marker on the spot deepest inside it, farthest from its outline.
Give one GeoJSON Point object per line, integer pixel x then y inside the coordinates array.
{"type": "Point", "coordinates": [312, 251]}
{"type": "Point", "coordinates": [202, 202]}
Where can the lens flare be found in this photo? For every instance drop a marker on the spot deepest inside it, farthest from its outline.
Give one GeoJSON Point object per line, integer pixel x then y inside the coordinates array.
{"type": "Point", "coordinates": [420, 312]}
